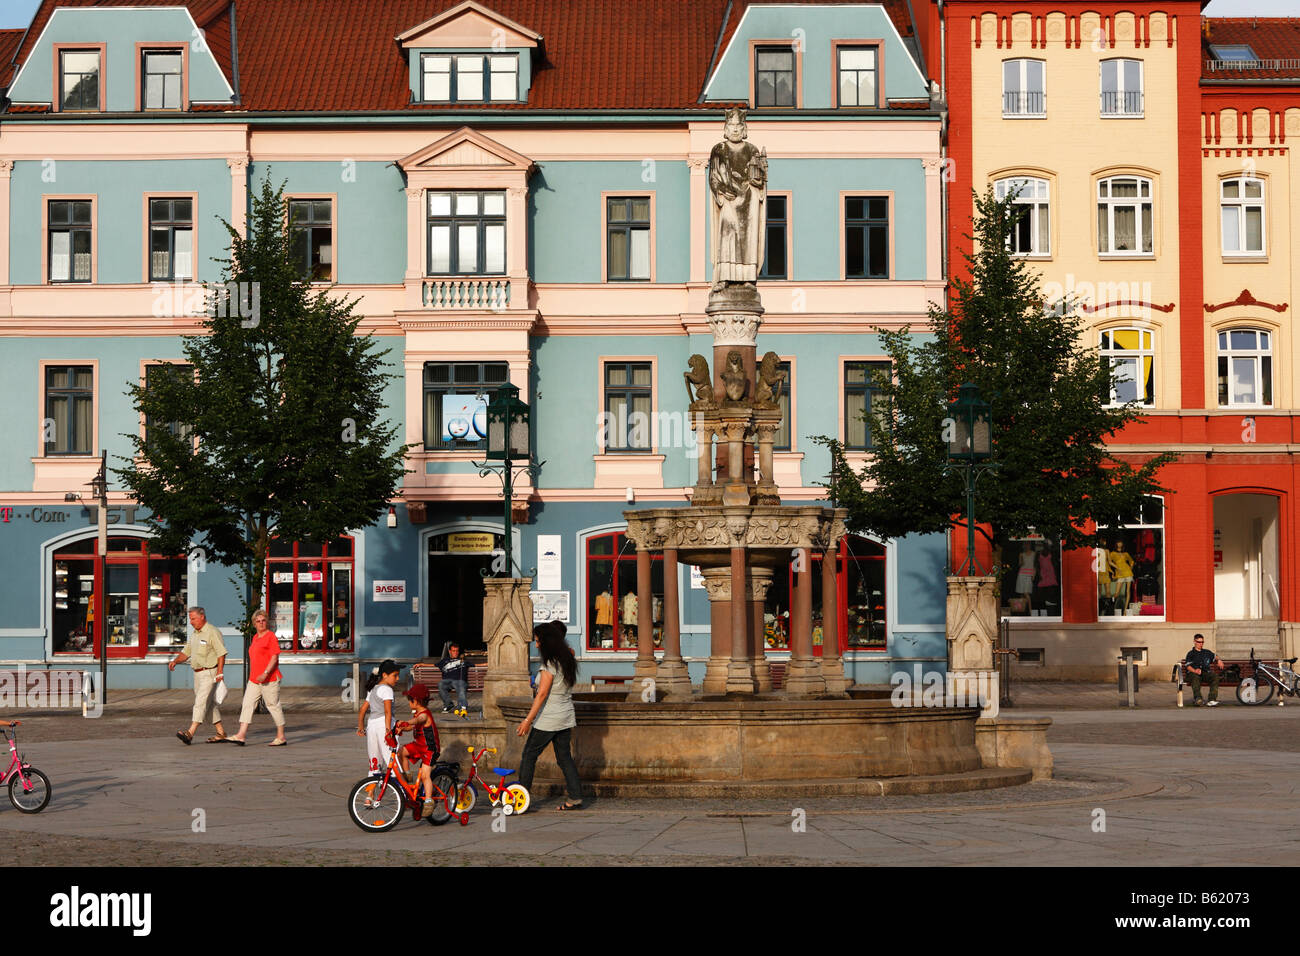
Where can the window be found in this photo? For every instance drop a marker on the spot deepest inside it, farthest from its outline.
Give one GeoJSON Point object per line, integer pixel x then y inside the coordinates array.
{"type": "Point", "coordinates": [70, 240]}
{"type": "Point", "coordinates": [1132, 361]}
{"type": "Point", "coordinates": [628, 394]}
{"type": "Point", "coordinates": [866, 237]}
{"type": "Point", "coordinates": [858, 76]}
{"type": "Point", "coordinates": [628, 251]}
{"type": "Point", "coordinates": [161, 79]}
{"type": "Point", "coordinates": [1245, 367]}
{"type": "Point", "coordinates": [1031, 577]}
{"type": "Point", "coordinates": [1130, 566]}
{"type": "Point", "coordinates": [467, 78]}
{"type": "Point", "coordinates": [455, 403]}
{"type": "Point", "coordinates": [1031, 234]}
{"type": "Point", "coordinates": [1124, 216]}
{"type": "Point", "coordinates": [781, 440]}
{"type": "Point", "coordinates": [860, 396]}
{"type": "Point", "coordinates": [309, 595]}
{"type": "Point", "coordinates": [467, 233]}
{"type": "Point", "coordinates": [612, 612]}
{"type": "Point", "coordinates": [312, 222]}
{"type": "Point", "coordinates": [79, 80]}
{"type": "Point", "coordinates": [1242, 209]}
{"type": "Point", "coordinates": [775, 264]}
{"type": "Point", "coordinates": [774, 83]}
{"type": "Point", "coordinates": [1121, 88]}
{"type": "Point", "coordinates": [153, 375]}
{"type": "Point", "coordinates": [171, 239]}
{"type": "Point", "coordinates": [1022, 88]}
{"type": "Point", "coordinates": [1234, 52]}
{"type": "Point", "coordinates": [69, 409]}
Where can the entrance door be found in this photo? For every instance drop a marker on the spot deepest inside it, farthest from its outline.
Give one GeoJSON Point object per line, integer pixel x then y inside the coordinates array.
{"type": "Point", "coordinates": [1246, 557]}
{"type": "Point", "coordinates": [457, 565]}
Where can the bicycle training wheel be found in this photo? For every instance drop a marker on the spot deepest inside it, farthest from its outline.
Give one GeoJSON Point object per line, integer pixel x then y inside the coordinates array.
{"type": "Point", "coordinates": [517, 795]}
{"type": "Point", "coordinates": [29, 790]}
{"type": "Point", "coordinates": [444, 798]}
{"type": "Point", "coordinates": [1254, 691]}
{"type": "Point", "coordinates": [465, 798]}
{"type": "Point", "coordinates": [373, 810]}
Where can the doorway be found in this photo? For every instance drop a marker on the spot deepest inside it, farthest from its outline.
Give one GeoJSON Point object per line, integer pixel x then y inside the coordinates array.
{"type": "Point", "coordinates": [458, 562]}
{"type": "Point", "coordinates": [1246, 557]}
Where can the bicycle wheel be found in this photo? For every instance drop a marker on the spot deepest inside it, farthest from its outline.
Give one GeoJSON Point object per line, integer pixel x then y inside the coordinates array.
{"type": "Point", "coordinates": [517, 795]}
{"type": "Point", "coordinates": [444, 798]}
{"type": "Point", "coordinates": [29, 790]}
{"type": "Point", "coordinates": [466, 797]}
{"type": "Point", "coordinates": [375, 811]}
{"type": "Point", "coordinates": [1253, 691]}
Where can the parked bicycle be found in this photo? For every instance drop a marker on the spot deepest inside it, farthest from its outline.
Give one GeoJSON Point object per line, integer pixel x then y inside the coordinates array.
{"type": "Point", "coordinates": [1256, 690]}
{"type": "Point", "coordinates": [377, 802]}
{"type": "Point", "coordinates": [512, 797]}
{"type": "Point", "coordinates": [29, 789]}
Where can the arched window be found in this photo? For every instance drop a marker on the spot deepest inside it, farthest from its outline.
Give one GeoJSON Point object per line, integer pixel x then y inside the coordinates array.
{"type": "Point", "coordinates": [612, 603]}
{"type": "Point", "coordinates": [1245, 367]}
{"type": "Point", "coordinates": [1031, 234]}
{"type": "Point", "coordinates": [1132, 359]}
{"type": "Point", "coordinates": [1125, 214]}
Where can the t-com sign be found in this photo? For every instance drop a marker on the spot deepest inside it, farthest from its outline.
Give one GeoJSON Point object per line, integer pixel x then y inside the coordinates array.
{"type": "Point", "coordinates": [389, 591]}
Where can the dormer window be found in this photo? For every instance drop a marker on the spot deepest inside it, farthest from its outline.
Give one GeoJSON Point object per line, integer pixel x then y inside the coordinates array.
{"type": "Point", "coordinates": [161, 85]}
{"type": "Point", "coordinates": [79, 80]}
{"type": "Point", "coordinates": [470, 78]}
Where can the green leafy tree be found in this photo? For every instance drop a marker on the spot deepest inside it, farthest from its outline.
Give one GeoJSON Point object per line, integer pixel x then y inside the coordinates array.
{"type": "Point", "coordinates": [1047, 389]}
{"type": "Point", "coordinates": [282, 408]}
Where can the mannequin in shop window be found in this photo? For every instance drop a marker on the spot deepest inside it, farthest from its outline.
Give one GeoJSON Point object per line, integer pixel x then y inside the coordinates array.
{"type": "Point", "coordinates": [1105, 601]}
{"type": "Point", "coordinates": [1025, 576]}
{"type": "Point", "coordinates": [604, 616]}
{"type": "Point", "coordinates": [629, 619]}
{"type": "Point", "coordinates": [1121, 572]}
{"type": "Point", "coordinates": [1048, 593]}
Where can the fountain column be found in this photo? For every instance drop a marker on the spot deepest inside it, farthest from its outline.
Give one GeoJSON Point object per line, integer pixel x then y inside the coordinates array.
{"type": "Point", "coordinates": [760, 580]}
{"type": "Point", "coordinates": [740, 671]}
{"type": "Point", "coordinates": [717, 584]}
{"type": "Point", "coordinates": [803, 678]}
{"type": "Point", "coordinates": [832, 663]}
{"type": "Point", "coordinates": [645, 641]}
{"type": "Point", "coordinates": [672, 679]}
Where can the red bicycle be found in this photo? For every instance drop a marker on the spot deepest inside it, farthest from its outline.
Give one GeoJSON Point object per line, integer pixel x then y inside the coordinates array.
{"type": "Point", "coordinates": [376, 803]}
{"type": "Point", "coordinates": [512, 797]}
{"type": "Point", "coordinates": [29, 789]}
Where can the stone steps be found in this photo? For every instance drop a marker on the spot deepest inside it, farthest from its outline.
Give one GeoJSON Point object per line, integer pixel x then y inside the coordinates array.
{"type": "Point", "coordinates": [1235, 639]}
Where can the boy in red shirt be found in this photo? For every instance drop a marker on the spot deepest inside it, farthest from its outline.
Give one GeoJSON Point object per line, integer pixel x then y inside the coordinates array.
{"type": "Point", "coordinates": [424, 747]}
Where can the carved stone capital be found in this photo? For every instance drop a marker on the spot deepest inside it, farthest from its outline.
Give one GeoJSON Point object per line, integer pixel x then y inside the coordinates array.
{"type": "Point", "coordinates": [932, 167]}
{"type": "Point", "coordinates": [697, 164]}
{"type": "Point", "coordinates": [6, 167]}
{"type": "Point", "coordinates": [735, 328]}
{"type": "Point", "coordinates": [238, 165]}
{"type": "Point", "coordinates": [517, 192]}
{"type": "Point", "coordinates": [413, 194]}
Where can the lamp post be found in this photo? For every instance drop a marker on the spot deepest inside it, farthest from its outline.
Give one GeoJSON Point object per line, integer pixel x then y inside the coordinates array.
{"type": "Point", "coordinates": [970, 445]}
{"type": "Point", "coordinates": [509, 442]}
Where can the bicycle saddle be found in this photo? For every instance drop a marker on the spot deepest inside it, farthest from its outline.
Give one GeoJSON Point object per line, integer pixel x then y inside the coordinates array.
{"type": "Point", "coordinates": [502, 771]}
{"type": "Point", "coordinates": [1292, 660]}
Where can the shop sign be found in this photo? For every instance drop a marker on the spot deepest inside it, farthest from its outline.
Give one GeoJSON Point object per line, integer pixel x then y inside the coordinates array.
{"type": "Point", "coordinates": [550, 606]}
{"type": "Point", "coordinates": [117, 514]}
{"type": "Point", "coordinates": [548, 562]}
{"type": "Point", "coordinates": [304, 577]}
{"type": "Point", "coordinates": [6, 513]}
{"type": "Point", "coordinates": [388, 590]}
{"type": "Point", "coordinates": [471, 542]}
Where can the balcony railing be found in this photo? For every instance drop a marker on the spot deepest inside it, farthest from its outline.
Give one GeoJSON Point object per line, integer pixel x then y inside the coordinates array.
{"type": "Point", "coordinates": [490, 294]}
{"type": "Point", "coordinates": [1024, 103]}
{"type": "Point", "coordinates": [1121, 104]}
{"type": "Point", "coordinates": [1219, 66]}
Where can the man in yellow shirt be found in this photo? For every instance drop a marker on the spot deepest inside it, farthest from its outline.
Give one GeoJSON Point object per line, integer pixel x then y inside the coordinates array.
{"type": "Point", "coordinates": [206, 653]}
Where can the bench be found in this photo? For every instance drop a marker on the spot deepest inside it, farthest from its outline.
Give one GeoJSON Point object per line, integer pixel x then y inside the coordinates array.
{"type": "Point", "coordinates": [1233, 673]}
{"type": "Point", "coordinates": [610, 679]}
{"type": "Point", "coordinates": [430, 676]}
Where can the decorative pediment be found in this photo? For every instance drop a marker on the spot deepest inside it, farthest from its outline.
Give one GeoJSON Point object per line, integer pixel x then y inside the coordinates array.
{"type": "Point", "coordinates": [1246, 299]}
{"type": "Point", "coordinates": [466, 149]}
{"type": "Point", "coordinates": [470, 26]}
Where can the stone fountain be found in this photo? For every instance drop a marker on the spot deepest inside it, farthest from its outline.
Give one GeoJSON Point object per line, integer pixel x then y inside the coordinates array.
{"type": "Point", "coordinates": [668, 737]}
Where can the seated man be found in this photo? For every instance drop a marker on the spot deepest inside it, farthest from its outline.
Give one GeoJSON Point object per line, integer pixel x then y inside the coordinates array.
{"type": "Point", "coordinates": [1203, 665]}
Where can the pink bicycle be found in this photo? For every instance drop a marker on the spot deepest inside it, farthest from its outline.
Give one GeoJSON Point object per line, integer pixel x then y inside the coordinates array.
{"type": "Point", "coordinates": [29, 789]}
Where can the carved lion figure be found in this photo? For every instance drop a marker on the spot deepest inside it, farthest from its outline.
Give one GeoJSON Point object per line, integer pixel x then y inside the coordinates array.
{"type": "Point", "coordinates": [700, 378]}
{"type": "Point", "coordinates": [734, 380]}
{"type": "Point", "coordinates": [770, 377]}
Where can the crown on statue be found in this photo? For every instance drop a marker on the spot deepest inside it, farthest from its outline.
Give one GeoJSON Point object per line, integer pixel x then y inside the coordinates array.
{"type": "Point", "coordinates": [737, 114]}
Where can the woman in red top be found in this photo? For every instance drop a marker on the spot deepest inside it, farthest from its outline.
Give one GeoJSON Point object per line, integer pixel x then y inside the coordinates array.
{"type": "Point", "coordinates": [263, 682]}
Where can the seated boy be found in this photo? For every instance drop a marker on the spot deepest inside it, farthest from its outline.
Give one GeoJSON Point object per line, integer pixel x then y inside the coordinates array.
{"type": "Point", "coordinates": [424, 748]}
{"type": "Point", "coordinates": [455, 678]}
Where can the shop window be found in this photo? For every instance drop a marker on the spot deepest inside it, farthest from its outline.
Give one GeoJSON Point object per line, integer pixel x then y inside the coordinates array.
{"type": "Point", "coordinates": [309, 596]}
{"type": "Point", "coordinates": [1131, 566]}
{"type": "Point", "coordinates": [1031, 577]}
{"type": "Point", "coordinates": [456, 395]}
{"type": "Point", "coordinates": [69, 409]}
{"type": "Point", "coordinates": [612, 609]}
{"type": "Point", "coordinates": [312, 224]}
{"type": "Point", "coordinates": [1132, 360]}
{"type": "Point", "coordinates": [860, 603]}
{"type": "Point", "coordinates": [144, 603]}
{"type": "Point", "coordinates": [1245, 368]}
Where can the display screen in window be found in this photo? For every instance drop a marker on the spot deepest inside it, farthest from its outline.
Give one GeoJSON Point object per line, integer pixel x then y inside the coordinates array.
{"type": "Point", "coordinates": [1031, 577]}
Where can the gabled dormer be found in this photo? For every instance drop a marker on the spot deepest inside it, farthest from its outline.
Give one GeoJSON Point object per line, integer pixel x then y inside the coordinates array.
{"type": "Point", "coordinates": [470, 54]}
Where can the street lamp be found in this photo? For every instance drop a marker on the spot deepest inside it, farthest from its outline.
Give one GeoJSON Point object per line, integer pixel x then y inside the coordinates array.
{"type": "Point", "coordinates": [970, 445]}
{"type": "Point", "coordinates": [508, 441]}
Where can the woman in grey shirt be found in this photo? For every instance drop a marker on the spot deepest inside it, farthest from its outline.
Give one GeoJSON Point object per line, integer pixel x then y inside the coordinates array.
{"type": "Point", "coordinates": [551, 719]}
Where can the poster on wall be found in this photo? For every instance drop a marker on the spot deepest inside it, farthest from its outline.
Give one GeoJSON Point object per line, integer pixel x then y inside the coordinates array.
{"type": "Point", "coordinates": [697, 577]}
{"type": "Point", "coordinates": [464, 418]}
{"type": "Point", "coordinates": [282, 620]}
{"type": "Point", "coordinates": [548, 562]}
{"type": "Point", "coordinates": [550, 606]}
{"type": "Point", "coordinates": [311, 617]}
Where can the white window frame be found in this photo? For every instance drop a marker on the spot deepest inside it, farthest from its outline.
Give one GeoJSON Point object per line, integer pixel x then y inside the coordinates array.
{"type": "Point", "coordinates": [1034, 193]}
{"type": "Point", "coordinates": [488, 63]}
{"type": "Point", "coordinates": [1258, 356]}
{"type": "Point", "coordinates": [1112, 354]}
{"type": "Point", "coordinates": [1120, 90]}
{"type": "Point", "coordinates": [1108, 202]}
{"type": "Point", "coordinates": [1237, 208]}
{"type": "Point", "coordinates": [1022, 110]}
